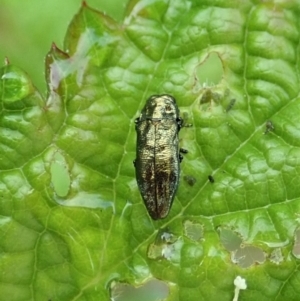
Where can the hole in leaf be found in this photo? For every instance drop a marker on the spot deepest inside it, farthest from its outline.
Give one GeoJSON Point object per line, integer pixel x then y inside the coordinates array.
{"type": "Point", "coordinates": [243, 255]}
{"type": "Point", "coordinates": [296, 247]}
{"type": "Point", "coordinates": [152, 290]}
{"type": "Point", "coordinates": [166, 246]}
{"type": "Point", "coordinates": [247, 256]}
{"type": "Point", "coordinates": [210, 72]}
{"type": "Point", "coordinates": [60, 175]}
{"type": "Point", "coordinates": [230, 240]}
{"type": "Point", "coordinates": [193, 231]}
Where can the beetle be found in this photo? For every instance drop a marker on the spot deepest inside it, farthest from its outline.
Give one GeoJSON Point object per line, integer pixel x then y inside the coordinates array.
{"type": "Point", "coordinates": [157, 163]}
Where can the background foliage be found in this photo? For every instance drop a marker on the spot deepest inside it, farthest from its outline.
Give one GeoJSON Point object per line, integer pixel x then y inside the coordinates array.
{"type": "Point", "coordinates": [27, 30]}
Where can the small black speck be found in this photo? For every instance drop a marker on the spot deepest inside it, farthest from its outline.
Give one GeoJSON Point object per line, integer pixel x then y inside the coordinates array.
{"type": "Point", "coordinates": [211, 179]}
{"type": "Point", "coordinates": [231, 104]}
{"type": "Point", "coordinates": [183, 151]}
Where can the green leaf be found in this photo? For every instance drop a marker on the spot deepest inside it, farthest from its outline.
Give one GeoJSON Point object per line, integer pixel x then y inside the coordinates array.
{"type": "Point", "coordinates": [72, 222]}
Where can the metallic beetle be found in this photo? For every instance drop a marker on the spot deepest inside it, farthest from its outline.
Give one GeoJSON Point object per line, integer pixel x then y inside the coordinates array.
{"type": "Point", "coordinates": [158, 157]}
